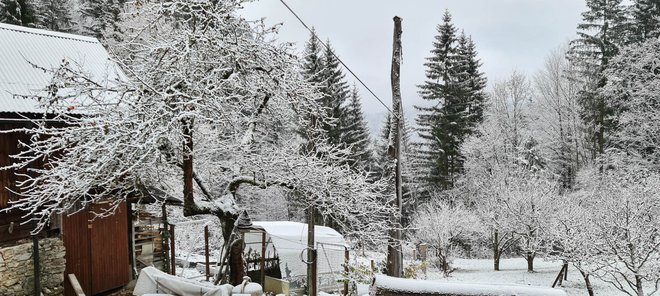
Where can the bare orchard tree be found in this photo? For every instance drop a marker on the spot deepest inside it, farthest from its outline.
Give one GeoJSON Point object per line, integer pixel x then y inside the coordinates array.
{"type": "Point", "coordinates": [203, 92]}
{"type": "Point", "coordinates": [442, 226]}
{"type": "Point", "coordinates": [623, 203]}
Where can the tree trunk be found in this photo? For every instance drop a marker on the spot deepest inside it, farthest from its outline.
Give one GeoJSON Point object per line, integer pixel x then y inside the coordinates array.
{"type": "Point", "coordinates": [587, 283]}
{"type": "Point", "coordinates": [496, 251]}
{"type": "Point", "coordinates": [638, 285]}
{"type": "Point", "coordinates": [530, 262]}
{"type": "Point", "coordinates": [189, 207]}
{"type": "Point", "coordinates": [236, 266]}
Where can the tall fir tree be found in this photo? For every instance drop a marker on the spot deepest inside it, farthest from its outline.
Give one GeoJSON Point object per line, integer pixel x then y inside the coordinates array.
{"type": "Point", "coordinates": [435, 146]}
{"type": "Point", "coordinates": [455, 88]}
{"type": "Point", "coordinates": [471, 84]}
{"type": "Point", "coordinates": [356, 134]}
{"type": "Point", "coordinates": [600, 35]}
{"type": "Point", "coordinates": [18, 12]}
{"type": "Point", "coordinates": [335, 92]}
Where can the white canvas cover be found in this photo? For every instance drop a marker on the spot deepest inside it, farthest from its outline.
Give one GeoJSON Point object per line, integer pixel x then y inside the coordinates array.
{"type": "Point", "coordinates": [289, 239]}
{"type": "Point", "coordinates": [152, 280]}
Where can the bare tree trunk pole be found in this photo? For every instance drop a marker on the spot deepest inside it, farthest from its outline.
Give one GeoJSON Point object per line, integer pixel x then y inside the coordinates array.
{"type": "Point", "coordinates": [394, 254]}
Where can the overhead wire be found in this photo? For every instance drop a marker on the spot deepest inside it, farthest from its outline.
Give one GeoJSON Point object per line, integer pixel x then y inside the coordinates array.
{"type": "Point", "coordinates": [337, 57]}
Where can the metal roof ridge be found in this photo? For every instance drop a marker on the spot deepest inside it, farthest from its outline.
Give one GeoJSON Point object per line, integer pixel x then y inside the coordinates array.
{"type": "Point", "coordinates": [48, 33]}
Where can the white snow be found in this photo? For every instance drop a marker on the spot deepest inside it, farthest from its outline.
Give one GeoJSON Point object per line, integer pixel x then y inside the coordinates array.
{"type": "Point", "coordinates": [419, 286]}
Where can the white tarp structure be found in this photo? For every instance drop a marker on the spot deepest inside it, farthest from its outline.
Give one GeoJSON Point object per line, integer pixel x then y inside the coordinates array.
{"type": "Point", "coordinates": [152, 280]}
{"type": "Point", "coordinates": [289, 240]}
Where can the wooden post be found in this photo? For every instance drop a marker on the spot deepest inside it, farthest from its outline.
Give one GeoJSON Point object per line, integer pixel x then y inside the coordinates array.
{"type": "Point", "coordinates": [263, 258]}
{"type": "Point", "coordinates": [206, 252]}
{"type": "Point", "coordinates": [394, 255]}
{"type": "Point", "coordinates": [346, 269]}
{"type": "Point", "coordinates": [37, 266]}
{"type": "Point", "coordinates": [164, 240]}
{"type": "Point", "coordinates": [311, 253]}
{"type": "Point", "coordinates": [172, 254]}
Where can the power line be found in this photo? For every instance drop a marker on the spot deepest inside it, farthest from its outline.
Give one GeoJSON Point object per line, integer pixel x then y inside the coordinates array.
{"type": "Point", "coordinates": [337, 57]}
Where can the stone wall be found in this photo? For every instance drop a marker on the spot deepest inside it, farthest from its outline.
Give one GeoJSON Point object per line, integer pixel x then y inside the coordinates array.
{"type": "Point", "coordinates": [17, 268]}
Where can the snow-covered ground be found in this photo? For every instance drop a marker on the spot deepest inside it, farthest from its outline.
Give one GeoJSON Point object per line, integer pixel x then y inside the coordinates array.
{"type": "Point", "coordinates": [514, 271]}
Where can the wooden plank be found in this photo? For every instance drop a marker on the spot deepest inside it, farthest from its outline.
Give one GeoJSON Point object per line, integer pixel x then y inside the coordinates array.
{"type": "Point", "coordinates": [109, 250]}
{"type": "Point", "coordinates": [77, 289]}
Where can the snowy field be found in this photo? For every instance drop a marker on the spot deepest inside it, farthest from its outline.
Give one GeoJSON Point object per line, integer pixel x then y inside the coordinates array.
{"type": "Point", "coordinates": [514, 271]}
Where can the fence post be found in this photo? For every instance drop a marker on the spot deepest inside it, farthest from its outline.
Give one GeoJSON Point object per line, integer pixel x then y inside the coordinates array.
{"type": "Point", "coordinates": [206, 252]}
{"type": "Point", "coordinates": [172, 252]}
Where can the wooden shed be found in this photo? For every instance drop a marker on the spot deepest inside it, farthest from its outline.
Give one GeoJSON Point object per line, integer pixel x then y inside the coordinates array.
{"type": "Point", "coordinates": [97, 251]}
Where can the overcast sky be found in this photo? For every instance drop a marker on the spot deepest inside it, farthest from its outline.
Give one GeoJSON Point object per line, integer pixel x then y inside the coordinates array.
{"type": "Point", "coordinates": [509, 34]}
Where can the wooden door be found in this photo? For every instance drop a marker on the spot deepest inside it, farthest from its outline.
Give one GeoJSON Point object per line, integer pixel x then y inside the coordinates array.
{"type": "Point", "coordinates": [97, 251]}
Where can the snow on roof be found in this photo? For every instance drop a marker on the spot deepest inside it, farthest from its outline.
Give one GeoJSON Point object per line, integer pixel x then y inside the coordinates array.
{"type": "Point", "coordinates": [290, 239]}
{"type": "Point", "coordinates": [430, 287]}
{"type": "Point", "coordinates": [23, 49]}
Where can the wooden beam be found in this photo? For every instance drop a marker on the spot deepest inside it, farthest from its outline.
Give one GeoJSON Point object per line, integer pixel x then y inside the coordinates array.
{"type": "Point", "coordinates": [77, 289]}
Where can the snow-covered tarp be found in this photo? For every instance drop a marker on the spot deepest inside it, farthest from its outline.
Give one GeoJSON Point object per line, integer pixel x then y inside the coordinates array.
{"type": "Point", "coordinates": [152, 280]}
{"type": "Point", "coordinates": [289, 240]}
{"type": "Point", "coordinates": [399, 286]}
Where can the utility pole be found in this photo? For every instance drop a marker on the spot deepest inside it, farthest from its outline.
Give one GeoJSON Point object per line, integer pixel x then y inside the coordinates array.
{"type": "Point", "coordinates": [394, 255]}
{"type": "Point", "coordinates": [311, 253]}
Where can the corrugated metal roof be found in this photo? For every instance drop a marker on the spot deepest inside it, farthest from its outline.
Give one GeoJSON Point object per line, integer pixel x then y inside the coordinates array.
{"type": "Point", "coordinates": [21, 49]}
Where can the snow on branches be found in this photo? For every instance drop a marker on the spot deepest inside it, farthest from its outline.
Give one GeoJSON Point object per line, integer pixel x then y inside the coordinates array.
{"type": "Point", "coordinates": [193, 72]}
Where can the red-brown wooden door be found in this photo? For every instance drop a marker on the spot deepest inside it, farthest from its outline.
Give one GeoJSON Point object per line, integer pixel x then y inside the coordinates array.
{"type": "Point", "coordinates": [97, 251]}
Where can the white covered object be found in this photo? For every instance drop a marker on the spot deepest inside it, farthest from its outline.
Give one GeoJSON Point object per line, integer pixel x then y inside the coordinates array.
{"type": "Point", "coordinates": [152, 280]}
{"type": "Point", "coordinates": [430, 287]}
{"type": "Point", "coordinates": [290, 239]}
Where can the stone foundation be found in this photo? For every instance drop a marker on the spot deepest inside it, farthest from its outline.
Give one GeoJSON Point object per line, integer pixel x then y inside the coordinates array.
{"type": "Point", "coordinates": [17, 268]}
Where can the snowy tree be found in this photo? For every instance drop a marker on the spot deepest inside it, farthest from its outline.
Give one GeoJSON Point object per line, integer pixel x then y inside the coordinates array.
{"type": "Point", "coordinates": [442, 226]}
{"type": "Point", "coordinates": [500, 158]}
{"type": "Point", "coordinates": [355, 134]}
{"type": "Point", "coordinates": [633, 88]}
{"type": "Point", "coordinates": [100, 18]}
{"type": "Point", "coordinates": [199, 94]}
{"type": "Point", "coordinates": [454, 89]}
{"type": "Point", "coordinates": [624, 205]}
{"type": "Point", "coordinates": [560, 130]}
{"type": "Point", "coordinates": [600, 37]}
{"type": "Point", "coordinates": [645, 20]}
{"type": "Point", "coordinates": [18, 12]}
{"type": "Point", "coordinates": [56, 15]}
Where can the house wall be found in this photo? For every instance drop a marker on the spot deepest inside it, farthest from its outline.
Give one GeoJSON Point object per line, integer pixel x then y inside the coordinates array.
{"type": "Point", "coordinates": [11, 228]}
{"type": "Point", "coordinates": [17, 268]}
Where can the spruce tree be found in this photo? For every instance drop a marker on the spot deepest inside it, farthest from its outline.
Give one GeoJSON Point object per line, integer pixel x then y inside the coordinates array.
{"type": "Point", "coordinates": [432, 121]}
{"type": "Point", "coordinates": [472, 84]}
{"type": "Point", "coordinates": [17, 12]}
{"type": "Point", "coordinates": [600, 36]}
{"type": "Point", "coordinates": [455, 88]}
{"type": "Point", "coordinates": [312, 71]}
{"type": "Point", "coordinates": [356, 133]}
{"type": "Point", "coordinates": [645, 20]}
{"type": "Point", "coordinates": [335, 92]}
